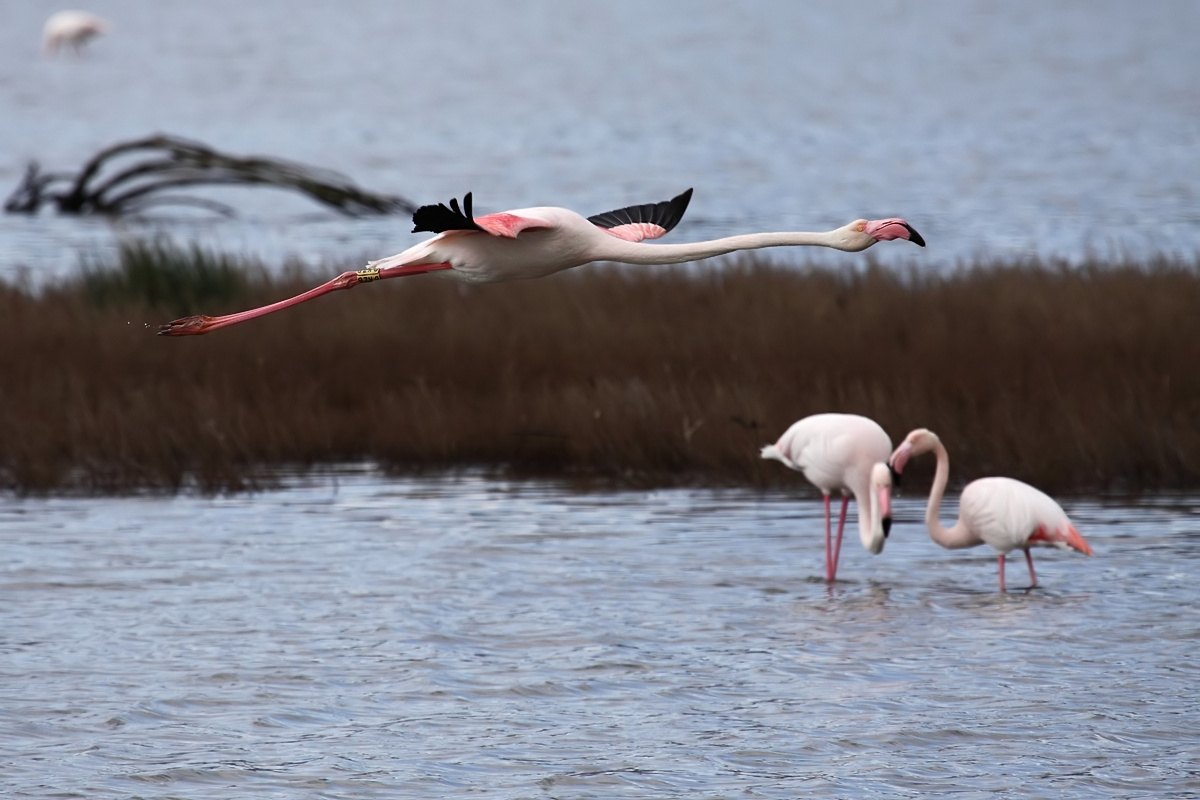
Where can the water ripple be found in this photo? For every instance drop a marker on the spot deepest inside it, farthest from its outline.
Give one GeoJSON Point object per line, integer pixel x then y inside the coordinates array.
{"type": "Point", "coordinates": [363, 637]}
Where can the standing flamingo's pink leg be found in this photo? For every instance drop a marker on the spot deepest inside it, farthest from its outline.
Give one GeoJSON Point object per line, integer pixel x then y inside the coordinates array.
{"type": "Point", "coordinates": [828, 540]}
{"type": "Point", "coordinates": [193, 326]}
{"type": "Point", "coordinates": [837, 546]}
{"type": "Point", "coordinates": [1029, 561]}
{"type": "Point", "coordinates": [1002, 572]}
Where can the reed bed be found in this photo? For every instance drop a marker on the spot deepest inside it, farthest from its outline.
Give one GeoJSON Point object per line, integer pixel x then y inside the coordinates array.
{"type": "Point", "coordinates": [1072, 378]}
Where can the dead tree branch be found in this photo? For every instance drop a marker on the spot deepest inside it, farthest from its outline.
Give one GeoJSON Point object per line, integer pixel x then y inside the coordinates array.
{"type": "Point", "coordinates": [106, 185]}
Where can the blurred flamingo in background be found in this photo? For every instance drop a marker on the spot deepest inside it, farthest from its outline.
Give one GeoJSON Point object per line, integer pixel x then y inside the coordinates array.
{"type": "Point", "coordinates": [535, 242]}
{"type": "Point", "coordinates": [843, 453]}
{"type": "Point", "coordinates": [1004, 513]}
{"type": "Point", "coordinates": [73, 29]}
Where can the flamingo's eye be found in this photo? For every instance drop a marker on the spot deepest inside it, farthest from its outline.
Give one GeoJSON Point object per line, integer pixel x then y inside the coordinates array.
{"type": "Point", "coordinates": [862, 227]}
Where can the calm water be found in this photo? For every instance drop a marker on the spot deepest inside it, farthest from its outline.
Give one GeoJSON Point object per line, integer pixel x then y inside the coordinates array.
{"type": "Point", "coordinates": [999, 129]}
{"type": "Point", "coordinates": [362, 637]}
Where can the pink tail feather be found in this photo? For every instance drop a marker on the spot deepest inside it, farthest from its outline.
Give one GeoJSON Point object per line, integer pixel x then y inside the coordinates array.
{"type": "Point", "coordinates": [1076, 542]}
{"type": "Point", "coordinates": [1070, 537]}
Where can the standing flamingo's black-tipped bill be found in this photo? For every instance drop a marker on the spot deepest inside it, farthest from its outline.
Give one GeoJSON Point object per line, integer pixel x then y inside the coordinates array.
{"type": "Point", "coordinates": [895, 476]}
{"type": "Point", "coordinates": [665, 214]}
{"type": "Point", "coordinates": [887, 526]}
{"type": "Point", "coordinates": [913, 236]}
{"type": "Point", "coordinates": [439, 218]}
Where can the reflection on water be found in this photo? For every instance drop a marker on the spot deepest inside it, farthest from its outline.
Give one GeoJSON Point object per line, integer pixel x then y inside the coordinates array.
{"type": "Point", "coordinates": [362, 637]}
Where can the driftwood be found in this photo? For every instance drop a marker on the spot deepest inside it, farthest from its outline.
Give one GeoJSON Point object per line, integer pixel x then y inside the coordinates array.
{"type": "Point", "coordinates": [155, 166]}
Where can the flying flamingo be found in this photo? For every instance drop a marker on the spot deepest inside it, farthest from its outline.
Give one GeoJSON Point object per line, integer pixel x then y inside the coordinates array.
{"type": "Point", "coordinates": [535, 242]}
{"type": "Point", "coordinates": [1002, 512]}
{"type": "Point", "coordinates": [843, 453]}
{"type": "Point", "coordinates": [72, 28]}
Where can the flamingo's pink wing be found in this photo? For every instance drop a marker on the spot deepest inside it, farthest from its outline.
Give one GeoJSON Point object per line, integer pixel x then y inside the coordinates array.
{"type": "Point", "coordinates": [633, 223]}
{"type": "Point", "coordinates": [647, 221]}
{"type": "Point", "coordinates": [509, 225]}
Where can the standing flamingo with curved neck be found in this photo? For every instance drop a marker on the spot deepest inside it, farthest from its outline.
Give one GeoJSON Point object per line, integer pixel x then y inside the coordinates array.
{"type": "Point", "coordinates": [1004, 513]}
{"type": "Point", "coordinates": [535, 242]}
{"type": "Point", "coordinates": [843, 453]}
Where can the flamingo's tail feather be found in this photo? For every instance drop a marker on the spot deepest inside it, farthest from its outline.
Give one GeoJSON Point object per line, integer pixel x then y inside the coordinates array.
{"type": "Point", "coordinates": [1077, 542]}
{"type": "Point", "coordinates": [773, 452]}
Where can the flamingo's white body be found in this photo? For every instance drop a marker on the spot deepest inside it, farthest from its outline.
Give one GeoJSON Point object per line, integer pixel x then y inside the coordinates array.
{"type": "Point", "coordinates": [1001, 512]}
{"type": "Point", "coordinates": [71, 29]}
{"type": "Point", "coordinates": [843, 453]}
{"type": "Point", "coordinates": [535, 242]}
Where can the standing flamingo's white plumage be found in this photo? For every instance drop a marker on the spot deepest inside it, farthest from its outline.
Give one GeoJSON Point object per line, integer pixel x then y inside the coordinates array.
{"type": "Point", "coordinates": [1004, 513]}
{"type": "Point", "coordinates": [73, 29]}
{"type": "Point", "coordinates": [843, 453]}
{"type": "Point", "coordinates": [535, 242]}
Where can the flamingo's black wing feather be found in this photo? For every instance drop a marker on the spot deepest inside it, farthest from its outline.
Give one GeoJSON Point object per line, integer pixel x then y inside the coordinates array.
{"type": "Point", "coordinates": [666, 214]}
{"type": "Point", "coordinates": [439, 218]}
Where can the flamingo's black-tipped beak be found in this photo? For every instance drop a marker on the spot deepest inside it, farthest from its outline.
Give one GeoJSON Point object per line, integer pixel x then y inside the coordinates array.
{"type": "Point", "coordinates": [887, 526]}
{"type": "Point", "coordinates": [885, 230]}
{"type": "Point", "coordinates": [913, 236]}
{"type": "Point", "coordinates": [895, 476]}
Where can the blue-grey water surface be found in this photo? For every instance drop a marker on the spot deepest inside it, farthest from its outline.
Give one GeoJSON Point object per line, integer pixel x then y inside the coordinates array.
{"type": "Point", "coordinates": [1000, 130]}
{"type": "Point", "coordinates": [357, 636]}
{"type": "Point", "coordinates": [360, 637]}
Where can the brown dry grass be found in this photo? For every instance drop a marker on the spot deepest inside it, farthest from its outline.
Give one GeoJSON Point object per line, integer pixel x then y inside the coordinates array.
{"type": "Point", "coordinates": [1068, 378]}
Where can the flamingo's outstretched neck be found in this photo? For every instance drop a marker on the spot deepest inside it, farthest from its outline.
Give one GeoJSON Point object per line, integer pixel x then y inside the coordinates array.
{"type": "Point", "coordinates": [194, 326]}
{"type": "Point", "coordinates": [652, 254]}
{"type": "Point", "coordinates": [852, 238]}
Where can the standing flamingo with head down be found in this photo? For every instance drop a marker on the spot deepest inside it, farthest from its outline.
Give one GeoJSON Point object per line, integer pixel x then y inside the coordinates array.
{"type": "Point", "coordinates": [1004, 513]}
{"type": "Point", "coordinates": [535, 242]}
{"type": "Point", "coordinates": [848, 454]}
